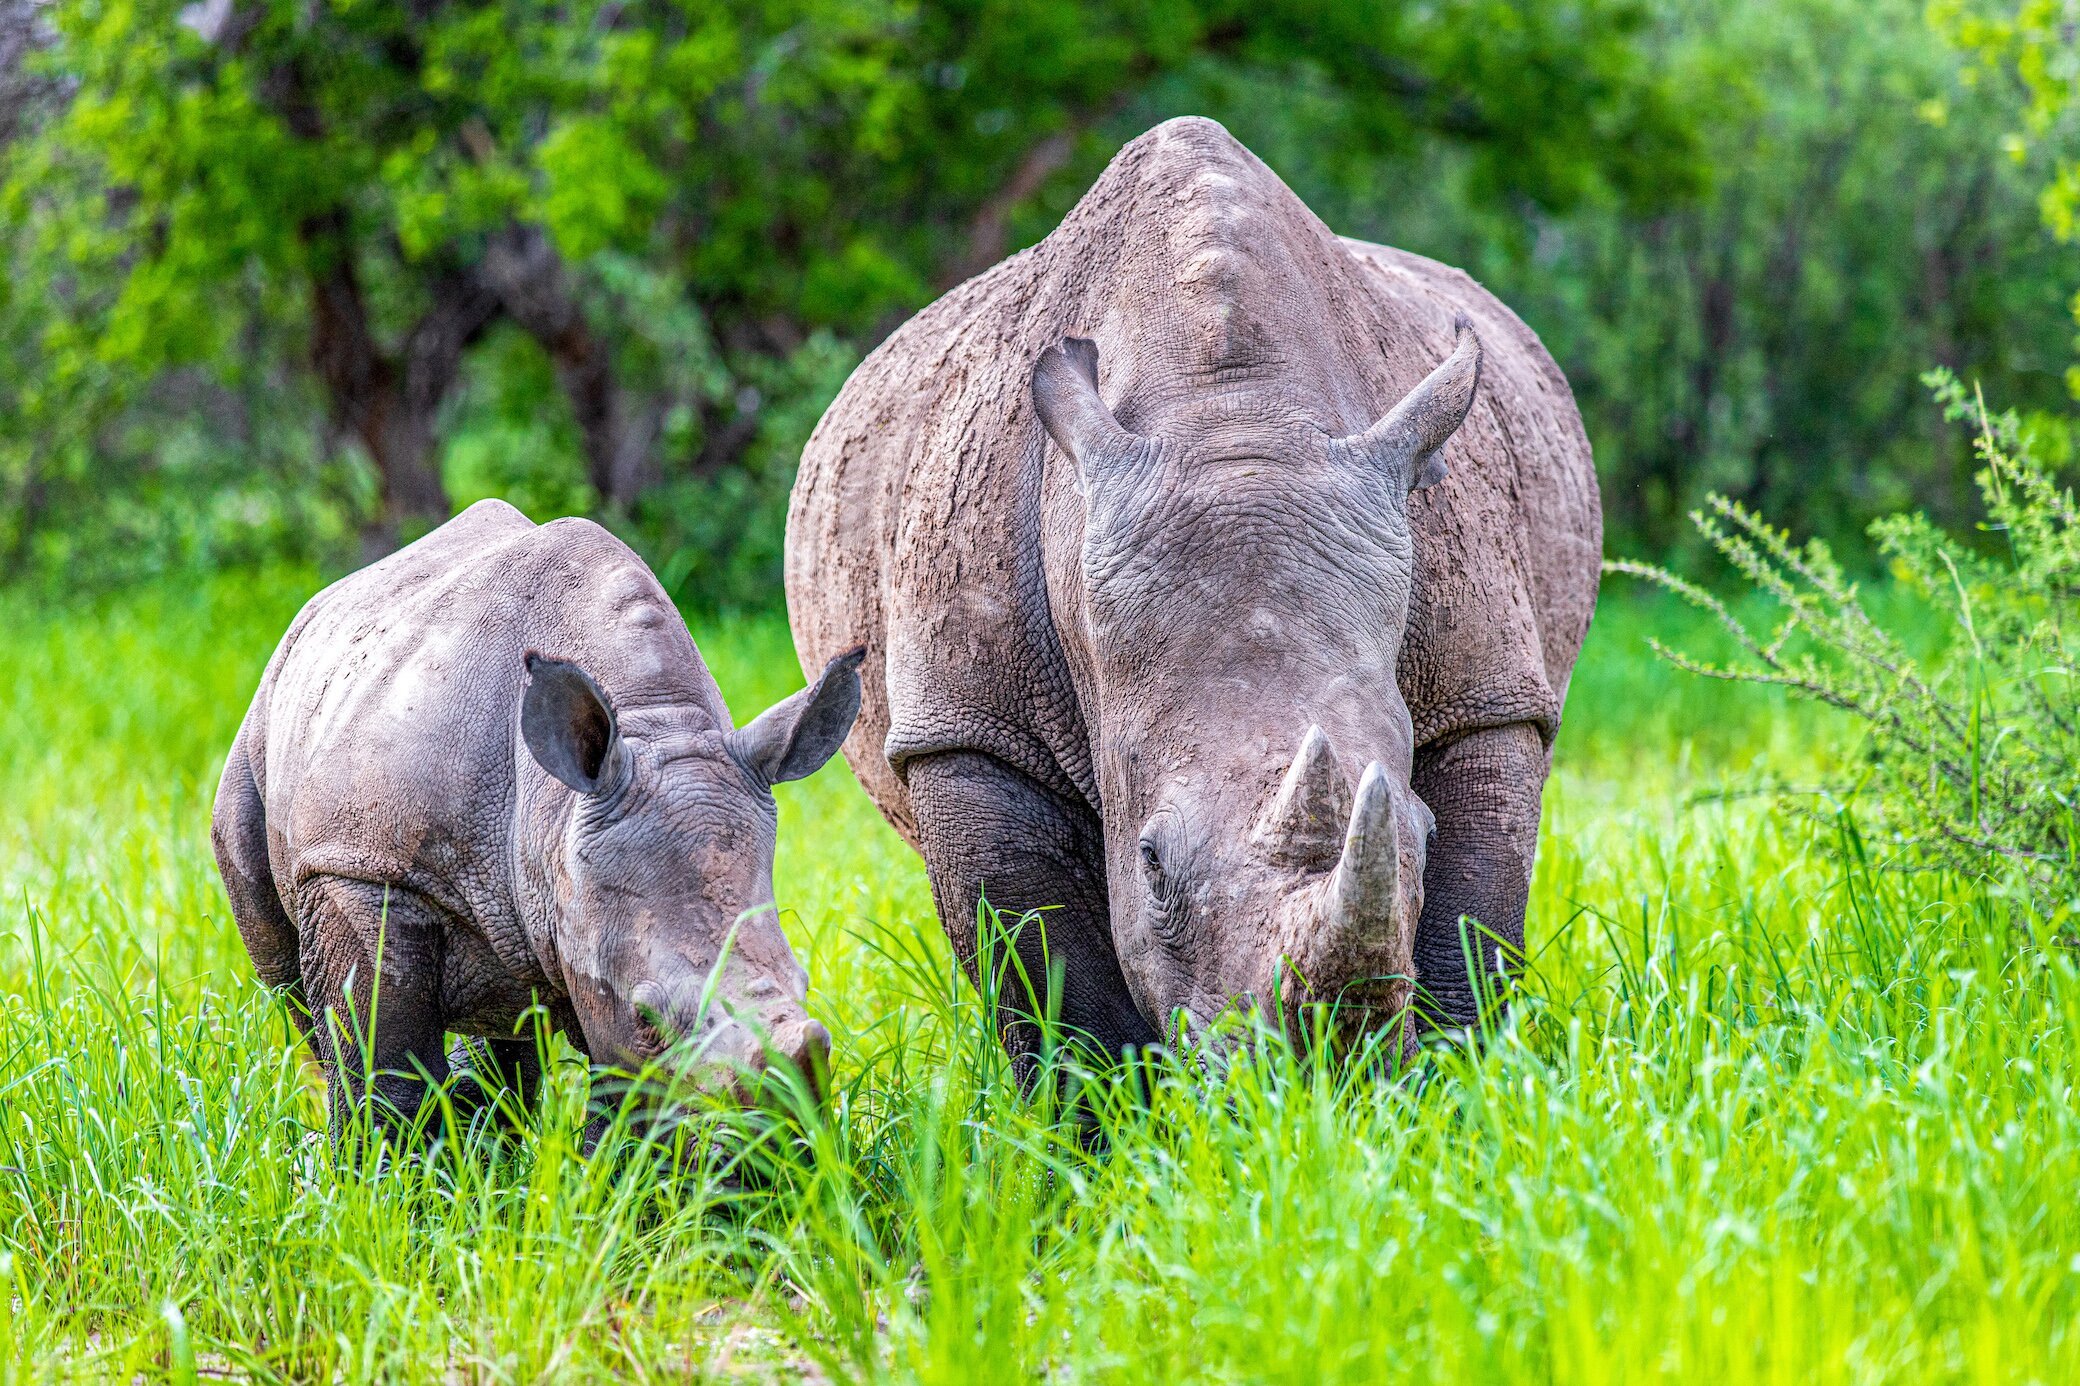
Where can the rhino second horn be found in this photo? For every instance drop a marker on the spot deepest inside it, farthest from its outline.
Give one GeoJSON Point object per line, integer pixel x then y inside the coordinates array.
{"type": "Point", "coordinates": [1365, 894]}
{"type": "Point", "coordinates": [1305, 822]}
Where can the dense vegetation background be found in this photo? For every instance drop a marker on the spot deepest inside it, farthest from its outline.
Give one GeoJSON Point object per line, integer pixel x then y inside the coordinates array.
{"type": "Point", "coordinates": [293, 280]}
{"type": "Point", "coordinates": [1785, 1092]}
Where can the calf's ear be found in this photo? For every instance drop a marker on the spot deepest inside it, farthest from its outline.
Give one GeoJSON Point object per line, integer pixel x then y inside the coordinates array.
{"type": "Point", "coordinates": [795, 736]}
{"type": "Point", "coordinates": [568, 724]}
{"type": "Point", "coordinates": [1410, 439]}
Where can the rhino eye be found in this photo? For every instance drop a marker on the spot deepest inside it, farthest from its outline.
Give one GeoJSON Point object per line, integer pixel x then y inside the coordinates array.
{"type": "Point", "coordinates": [1167, 915]}
{"type": "Point", "coordinates": [1152, 870]}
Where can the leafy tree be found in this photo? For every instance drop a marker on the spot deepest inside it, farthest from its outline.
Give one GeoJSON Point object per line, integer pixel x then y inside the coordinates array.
{"type": "Point", "coordinates": [2029, 45]}
{"type": "Point", "coordinates": [2032, 43]}
{"type": "Point", "coordinates": [669, 198]}
{"type": "Point", "coordinates": [1763, 339]}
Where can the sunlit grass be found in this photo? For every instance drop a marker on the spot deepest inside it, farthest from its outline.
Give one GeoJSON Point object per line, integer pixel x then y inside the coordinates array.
{"type": "Point", "coordinates": [1759, 1117]}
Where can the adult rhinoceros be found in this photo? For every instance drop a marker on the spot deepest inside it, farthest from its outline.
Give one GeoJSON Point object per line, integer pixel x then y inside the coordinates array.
{"type": "Point", "coordinates": [1302, 573]}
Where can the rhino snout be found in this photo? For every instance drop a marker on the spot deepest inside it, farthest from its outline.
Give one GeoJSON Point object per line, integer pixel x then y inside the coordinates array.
{"type": "Point", "coordinates": [745, 1030]}
{"type": "Point", "coordinates": [806, 1045]}
{"type": "Point", "coordinates": [1366, 850]}
{"type": "Point", "coordinates": [751, 1050]}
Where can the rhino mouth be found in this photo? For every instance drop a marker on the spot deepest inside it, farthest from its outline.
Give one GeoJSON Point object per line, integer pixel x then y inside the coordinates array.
{"type": "Point", "coordinates": [732, 1054]}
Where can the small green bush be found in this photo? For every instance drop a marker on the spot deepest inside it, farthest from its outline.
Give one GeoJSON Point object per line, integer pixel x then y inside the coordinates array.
{"type": "Point", "coordinates": [1971, 752]}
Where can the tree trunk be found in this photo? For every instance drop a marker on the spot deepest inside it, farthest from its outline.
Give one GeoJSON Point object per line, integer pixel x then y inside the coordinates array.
{"type": "Point", "coordinates": [619, 426]}
{"type": "Point", "coordinates": [28, 515]}
{"type": "Point", "coordinates": [390, 401]}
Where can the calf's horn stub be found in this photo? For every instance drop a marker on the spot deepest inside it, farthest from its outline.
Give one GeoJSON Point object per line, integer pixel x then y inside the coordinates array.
{"type": "Point", "coordinates": [1305, 820]}
{"type": "Point", "coordinates": [1411, 438]}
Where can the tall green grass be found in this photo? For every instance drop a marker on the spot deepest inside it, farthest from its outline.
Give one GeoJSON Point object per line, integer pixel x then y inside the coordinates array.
{"type": "Point", "coordinates": [1762, 1116]}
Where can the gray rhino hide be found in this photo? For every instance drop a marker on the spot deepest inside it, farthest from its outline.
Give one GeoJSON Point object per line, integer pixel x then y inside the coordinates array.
{"type": "Point", "coordinates": [381, 795]}
{"type": "Point", "coordinates": [1012, 737]}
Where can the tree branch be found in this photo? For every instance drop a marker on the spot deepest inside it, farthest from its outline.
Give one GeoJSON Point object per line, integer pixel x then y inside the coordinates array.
{"type": "Point", "coordinates": [989, 230]}
{"type": "Point", "coordinates": [620, 429]}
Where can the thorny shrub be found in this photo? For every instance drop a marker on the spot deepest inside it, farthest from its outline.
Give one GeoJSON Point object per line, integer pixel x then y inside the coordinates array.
{"type": "Point", "coordinates": [1970, 755]}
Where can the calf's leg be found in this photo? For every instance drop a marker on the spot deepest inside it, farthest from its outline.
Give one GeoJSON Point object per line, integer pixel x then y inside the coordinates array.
{"type": "Point", "coordinates": [1485, 789]}
{"type": "Point", "coordinates": [989, 832]}
{"type": "Point", "coordinates": [380, 1044]}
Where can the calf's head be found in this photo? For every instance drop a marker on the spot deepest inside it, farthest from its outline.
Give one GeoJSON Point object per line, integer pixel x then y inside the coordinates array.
{"type": "Point", "coordinates": [1245, 586]}
{"type": "Point", "coordinates": [665, 929]}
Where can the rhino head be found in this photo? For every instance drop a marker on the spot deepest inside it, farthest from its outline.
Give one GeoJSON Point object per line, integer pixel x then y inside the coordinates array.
{"type": "Point", "coordinates": [664, 927]}
{"type": "Point", "coordinates": [1245, 583]}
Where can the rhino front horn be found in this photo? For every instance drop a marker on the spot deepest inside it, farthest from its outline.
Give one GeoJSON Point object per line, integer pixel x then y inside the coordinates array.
{"type": "Point", "coordinates": [1365, 894]}
{"type": "Point", "coordinates": [1305, 821]}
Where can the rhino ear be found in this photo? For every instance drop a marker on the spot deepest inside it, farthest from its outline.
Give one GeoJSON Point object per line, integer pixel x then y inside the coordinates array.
{"type": "Point", "coordinates": [1411, 438]}
{"type": "Point", "coordinates": [1065, 396]}
{"type": "Point", "coordinates": [795, 736]}
{"type": "Point", "coordinates": [569, 725]}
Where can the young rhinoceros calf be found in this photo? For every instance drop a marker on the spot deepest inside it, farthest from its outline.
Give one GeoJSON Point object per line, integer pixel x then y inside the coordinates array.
{"type": "Point", "coordinates": [496, 762]}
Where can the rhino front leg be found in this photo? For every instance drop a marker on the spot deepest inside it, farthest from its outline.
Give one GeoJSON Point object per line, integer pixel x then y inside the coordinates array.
{"type": "Point", "coordinates": [502, 1075]}
{"type": "Point", "coordinates": [990, 832]}
{"type": "Point", "coordinates": [1485, 789]}
{"type": "Point", "coordinates": [352, 931]}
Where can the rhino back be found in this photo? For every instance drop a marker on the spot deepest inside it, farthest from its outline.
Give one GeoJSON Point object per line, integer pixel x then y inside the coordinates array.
{"type": "Point", "coordinates": [929, 506]}
{"type": "Point", "coordinates": [1509, 547]}
{"type": "Point", "coordinates": [389, 749]}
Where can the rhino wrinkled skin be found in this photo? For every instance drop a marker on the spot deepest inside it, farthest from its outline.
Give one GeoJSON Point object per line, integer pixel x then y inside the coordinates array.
{"type": "Point", "coordinates": [1192, 603]}
{"type": "Point", "coordinates": [496, 759]}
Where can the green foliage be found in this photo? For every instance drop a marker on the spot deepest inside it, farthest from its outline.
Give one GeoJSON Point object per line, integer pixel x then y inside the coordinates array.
{"type": "Point", "coordinates": [2032, 42]}
{"type": "Point", "coordinates": [2030, 46]}
{"type": "Point", "coordinates": [1763, 341]}
{"type": "Point", "coordinates": [509, 434]}
{"type": "Point", "coordinates": [274, 186]}
{"type": "Point", "coordinates": [1970, 759]}
{"type": "Point", "coordinates": [1760, 1118]}
{"type": "Point", "coordinates": [1743, 227]}
{"type": "Point", "coordinates": [718, 534]}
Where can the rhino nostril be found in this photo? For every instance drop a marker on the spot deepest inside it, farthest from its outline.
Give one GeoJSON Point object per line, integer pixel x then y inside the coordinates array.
{"type": "Point", "coordinates": [651, 1029]}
